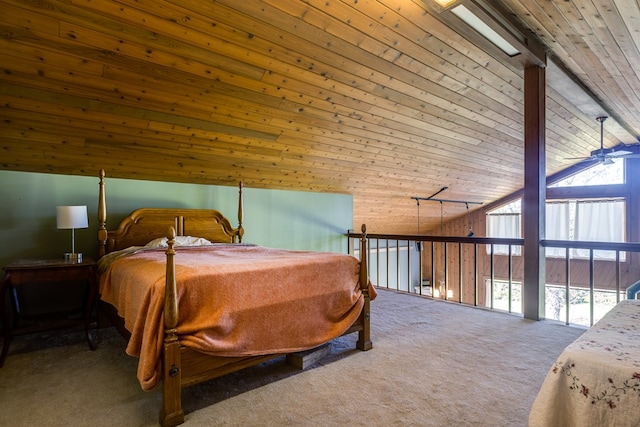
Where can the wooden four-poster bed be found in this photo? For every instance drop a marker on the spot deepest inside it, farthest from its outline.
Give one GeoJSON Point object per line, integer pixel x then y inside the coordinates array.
{"type": "Point", "coordinates": [190, 317]}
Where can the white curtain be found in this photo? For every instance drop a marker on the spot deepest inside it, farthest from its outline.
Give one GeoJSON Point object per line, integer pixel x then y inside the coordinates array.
{"type": "Point", "coordinates": [599, 221]}
{"type": "Point", "coordinates": [505, 225]}
{"type": "Point", "coordinates": [557, 226]}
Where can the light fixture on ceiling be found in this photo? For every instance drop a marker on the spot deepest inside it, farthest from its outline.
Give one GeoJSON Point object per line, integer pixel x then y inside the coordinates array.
{"type": "Point", "coordinates": [442, 201]}
{"type": "Point", "coordinates": [485, 30]}
{"type": "Point", "coordinates": [471, 233]}
{"type": "Point", "coordinates": [606, 156]}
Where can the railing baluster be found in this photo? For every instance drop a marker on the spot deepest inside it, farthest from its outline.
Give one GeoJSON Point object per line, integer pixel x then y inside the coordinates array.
{"type": "Point", "coordinates": [509, 274]}
{"type": "Point", "coordinates": [491, 270]}
{"type": "Point", "coordinates": [476, 274]}
{"type": "Point", "coordinates": [591, 287]}
{"type": "Point", "coordinates": [567, 295]}
{"type": "Point", "coordinates": [446, 270]}
{"type": "Point", "coordinates": [433, 268]}
{"type": "Point", "coordinates": [409, 265]}
{"type": "Point", "coordinates": [397, 265]}
{"type": "Point", "coordinates": [617, 276]}
{"type": "Point", "coordinates": [377, 260]}
{"type": "Point", "coordinates": [460, 268]}
{"type": "Point", "coordinates": [387, 263]}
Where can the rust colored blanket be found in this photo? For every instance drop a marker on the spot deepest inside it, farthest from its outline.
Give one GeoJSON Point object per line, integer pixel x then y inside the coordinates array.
{"type": "Point", "coordinates": [233, 300]}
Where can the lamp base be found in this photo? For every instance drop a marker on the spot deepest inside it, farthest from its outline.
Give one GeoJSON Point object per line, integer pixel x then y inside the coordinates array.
{"type": "Point", "coordinates": [73, 256]}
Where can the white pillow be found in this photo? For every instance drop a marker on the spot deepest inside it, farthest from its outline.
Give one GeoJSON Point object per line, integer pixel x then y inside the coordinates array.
{"type": "Point", "coordinates": [161, 242]}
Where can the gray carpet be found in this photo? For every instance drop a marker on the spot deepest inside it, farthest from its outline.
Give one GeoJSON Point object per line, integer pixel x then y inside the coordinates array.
{"type": "Point", "coordinates": [433, 364]}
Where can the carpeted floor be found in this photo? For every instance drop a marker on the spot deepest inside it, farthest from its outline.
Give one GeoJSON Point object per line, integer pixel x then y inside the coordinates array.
{"type": "Point", "coordinates": [433, 364]}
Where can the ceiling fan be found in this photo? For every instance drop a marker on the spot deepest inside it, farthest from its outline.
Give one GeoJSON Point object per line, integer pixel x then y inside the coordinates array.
{"type": "Point", "coordinates": [605, 155]}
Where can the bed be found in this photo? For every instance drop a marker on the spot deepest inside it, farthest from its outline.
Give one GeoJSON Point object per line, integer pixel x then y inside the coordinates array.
{"type": "Point", "coordinates": [196, 303]}
{"type": "Point", "coordinates": [596, 379]}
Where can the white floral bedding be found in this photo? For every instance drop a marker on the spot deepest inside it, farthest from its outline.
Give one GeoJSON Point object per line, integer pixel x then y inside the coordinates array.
{"type": "Point", "coordinates": [596, 379]}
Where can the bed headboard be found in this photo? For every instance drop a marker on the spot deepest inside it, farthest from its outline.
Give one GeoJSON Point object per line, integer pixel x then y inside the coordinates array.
{"type": "Point", "coordinates": [143, 225]}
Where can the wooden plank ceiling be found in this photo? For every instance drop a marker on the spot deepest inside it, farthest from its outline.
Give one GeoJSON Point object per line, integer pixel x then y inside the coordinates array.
{"type": "Point", "coordinates": [379, 99]}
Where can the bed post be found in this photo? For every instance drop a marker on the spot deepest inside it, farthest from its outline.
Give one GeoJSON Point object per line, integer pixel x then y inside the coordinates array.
{"type": "Point", "coordinates": [364, 336]}
{"type": "Point", "coordinates": [240, 213]}
{"type": "Point", "coordinates": [102, 218]}
{"type": "Point", "coordinates": [171, 413]}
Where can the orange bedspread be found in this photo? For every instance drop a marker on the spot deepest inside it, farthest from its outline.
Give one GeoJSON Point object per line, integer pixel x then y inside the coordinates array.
{"type": "Point", "coordinates": [234, 300]}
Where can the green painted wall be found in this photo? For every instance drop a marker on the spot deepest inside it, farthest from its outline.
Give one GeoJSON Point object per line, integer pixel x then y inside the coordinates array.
{"type": "Point", "coordinates": [282, 219]}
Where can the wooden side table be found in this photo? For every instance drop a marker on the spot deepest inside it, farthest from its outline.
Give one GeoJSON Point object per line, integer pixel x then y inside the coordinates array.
{"type": "Point", "coordinates": [29, 271]}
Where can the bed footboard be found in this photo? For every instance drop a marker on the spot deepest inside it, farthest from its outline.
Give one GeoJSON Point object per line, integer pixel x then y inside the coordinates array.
{"type": "Point", "coordinates": [175, 377]}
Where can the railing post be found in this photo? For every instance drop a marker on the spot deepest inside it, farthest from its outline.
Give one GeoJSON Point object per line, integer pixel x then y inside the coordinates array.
{"type": "Point", "coordinates": [409, 265]}
{"type": "Point", "coordinates": [591, 287]}
{"type": "Point", "coordinates": [568, 278]}
{"type": "Point", "coordinates": [446, 271]}
{"type": "Point", "coordinates": [476, 282]}
{"type": "Point", "coordinates": [510, 277]}
{"type": "Point", "coordinates": [377, 260]}
{"type": "Point", "coordinates": [460, 269]}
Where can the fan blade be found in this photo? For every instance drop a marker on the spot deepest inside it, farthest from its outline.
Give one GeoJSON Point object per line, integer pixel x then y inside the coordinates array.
{"type": "Point", "coordinates": [607, 155]}
{"type": "Point", "coordinates": [618, 153]}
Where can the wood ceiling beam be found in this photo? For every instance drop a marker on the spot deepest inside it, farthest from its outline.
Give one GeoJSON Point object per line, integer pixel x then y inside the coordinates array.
{"type": "Point", "coordinates": [532, 52]}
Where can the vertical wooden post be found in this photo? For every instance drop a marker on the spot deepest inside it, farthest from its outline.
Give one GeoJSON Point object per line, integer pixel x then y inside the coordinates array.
{"type": "Point", "coordinates": [534, 191]}
{"type": "Point", "coordinates": [102, 217]}
{"type": "Point", "coordinates": [240, 213]}
{"type": "Point", "coordinates": [171, 413]}
{"type": "Point", "coordinates": [364, 336]}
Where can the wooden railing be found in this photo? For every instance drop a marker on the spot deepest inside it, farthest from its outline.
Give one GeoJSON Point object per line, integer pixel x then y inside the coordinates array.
{"type": "Point", "coordinates": [468, 270]}
{"type": "Point", "coordinates": [629, 268]}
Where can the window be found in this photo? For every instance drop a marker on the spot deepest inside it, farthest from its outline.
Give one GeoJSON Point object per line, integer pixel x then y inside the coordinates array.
{"type": "Point", "coordinates": [504, 222]}
{"type": "Point", "coordinates": [599, 174]}
{"type": "Point", "coordinates": [584, 220]}
{"type": "Point", "coordinates": [557, 225]}
{"type": "Point", "coordinates": [599, 221]}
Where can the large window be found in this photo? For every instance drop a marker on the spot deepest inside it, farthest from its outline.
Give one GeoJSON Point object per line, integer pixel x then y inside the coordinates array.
{"type": "Point", "coordinates": [599, 221]}
{"type": "Point", "coordinates": [505, 222]}
{"type": "Point", "coordinates": [584, 220]}
{"type": "Point", "coordinates": [599, 174]}
{"type": "Point", "coordinates": [594, 220]}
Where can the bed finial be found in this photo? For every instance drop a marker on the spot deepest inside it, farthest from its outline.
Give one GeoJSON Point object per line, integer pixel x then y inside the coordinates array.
{"type": "Point", "coordinates": [364, 273]}
{"type": "Point", "coordinates": [102, 217]}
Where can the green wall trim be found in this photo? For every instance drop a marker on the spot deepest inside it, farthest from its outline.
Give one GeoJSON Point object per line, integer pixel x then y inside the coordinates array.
{"type": "Point", "coordinates": [275, 218]}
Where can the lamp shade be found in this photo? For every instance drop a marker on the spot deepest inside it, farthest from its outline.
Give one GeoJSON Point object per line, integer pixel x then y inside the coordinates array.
{"type": "Point", "coordinates": [70, 217]}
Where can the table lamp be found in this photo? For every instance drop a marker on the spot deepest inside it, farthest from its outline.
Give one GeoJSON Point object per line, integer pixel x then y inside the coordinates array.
{"type": "Point", "coordinates": [72, 217]}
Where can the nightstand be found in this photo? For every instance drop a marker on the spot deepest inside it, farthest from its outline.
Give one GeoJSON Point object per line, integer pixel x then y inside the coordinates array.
{"type": "Point", "coordinates": [24, 272]}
